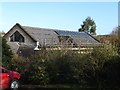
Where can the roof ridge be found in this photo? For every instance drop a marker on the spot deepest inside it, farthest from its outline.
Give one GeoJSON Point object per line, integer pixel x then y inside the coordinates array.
{"type": "Point", "coordinates": [41, 28]}
{"type": "Point", "coordinates": [49, 29]}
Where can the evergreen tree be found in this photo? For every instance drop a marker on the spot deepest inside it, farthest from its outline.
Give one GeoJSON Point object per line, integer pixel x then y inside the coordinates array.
{"type": "Point", "coordinates": [6, 54]}
{"type": "Point", "coordinates": [88, 26]}
{"type": "Point", "coordinates": [0, 50]}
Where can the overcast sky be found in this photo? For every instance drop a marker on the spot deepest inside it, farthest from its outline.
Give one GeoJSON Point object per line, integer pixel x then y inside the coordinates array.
{"type": "Point", "coordinates": [59, 15]}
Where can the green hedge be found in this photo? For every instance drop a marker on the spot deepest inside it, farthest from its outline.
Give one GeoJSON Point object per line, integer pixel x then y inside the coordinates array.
{"type": "Point", "coordinates": [100, 68]}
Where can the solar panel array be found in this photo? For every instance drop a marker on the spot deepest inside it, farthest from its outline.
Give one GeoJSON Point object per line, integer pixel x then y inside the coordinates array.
{"type": "Point", "coordinates": [79, 37]}
{"type": "Point", "coordinates": [69, 33]}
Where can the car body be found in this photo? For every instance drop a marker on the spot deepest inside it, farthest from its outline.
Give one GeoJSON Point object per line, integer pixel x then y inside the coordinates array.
{"type": "Point", "coordinates": [8, 78]}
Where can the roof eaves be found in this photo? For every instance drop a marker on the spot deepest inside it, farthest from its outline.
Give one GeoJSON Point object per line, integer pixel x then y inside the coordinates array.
{"type": "Point", "coordinates": [26, 32]}
{"type": "Point", "coordinates": [93, 37]}
{"type": "Point", "coordinates": [17, 24]}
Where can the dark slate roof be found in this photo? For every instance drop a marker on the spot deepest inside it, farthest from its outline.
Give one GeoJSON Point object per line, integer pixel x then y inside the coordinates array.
{"type": "Point", "coordinates": [38, 33]}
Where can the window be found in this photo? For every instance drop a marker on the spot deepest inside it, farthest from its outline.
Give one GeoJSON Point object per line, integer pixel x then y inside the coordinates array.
{"type": "Point", "coordinates": [12, 38]}
{"type": "Point", "coordinates": [16, 37]}
{"type": "Point", "coordinates": [3, 71]}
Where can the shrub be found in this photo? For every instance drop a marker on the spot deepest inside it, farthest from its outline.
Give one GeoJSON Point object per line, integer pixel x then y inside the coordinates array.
{"type": "Point", "coordinates": [111, 72]}
{"type": "Point", "coordinates": [70, 67]}
{"type": "Point", "coordinates": [99, 57]}
{"type": "Point", "coordinates": [7, 54]}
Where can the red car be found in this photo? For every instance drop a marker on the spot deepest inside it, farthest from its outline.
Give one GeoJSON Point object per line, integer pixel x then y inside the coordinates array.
{"type": "Point", "coordinates": [9, 79]}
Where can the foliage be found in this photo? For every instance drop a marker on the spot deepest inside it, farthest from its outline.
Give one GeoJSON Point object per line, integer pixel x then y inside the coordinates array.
{"type": "Point", "coordinates": [0, 51]}
{"type": "Point", "coordinates": [118, 40]}
{"type": "Point", "coordinates": [88, 26]}
{"type": "Point", "coordinates": [111, 39]}
{"type": "Point", "coordinates": [69, 67]}
{"type": "Point", "coordinates": [99, 57]}
{"type": "Point", "coordinates": [111, 72]}
{"type": "Point", "coordinates": [39, 75]}
{"type": "Point", "coordinates": [6, 54]}
{"type": "Point", "coordinates": [115, 35]}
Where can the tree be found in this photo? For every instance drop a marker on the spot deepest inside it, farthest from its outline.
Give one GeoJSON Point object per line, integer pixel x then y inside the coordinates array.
{"type": "Point", "coordinates": [6, 54]}
{"type": "Point", "coordinates": [115, 38]}
{"type": "Point", "coordinates": [0, 50]}
{"type": "Point", "coordinates": [88, 26]}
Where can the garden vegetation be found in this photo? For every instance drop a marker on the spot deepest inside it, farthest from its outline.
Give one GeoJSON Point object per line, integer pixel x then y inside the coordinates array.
{"type": "Point", "coordinates": [99, 68]}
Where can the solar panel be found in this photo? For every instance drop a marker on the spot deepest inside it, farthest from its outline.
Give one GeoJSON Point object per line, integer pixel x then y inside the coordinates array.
{"type": "Point", "coordinates": [69, 33]}
{"type": "Point", "coordinates": [79, 37]}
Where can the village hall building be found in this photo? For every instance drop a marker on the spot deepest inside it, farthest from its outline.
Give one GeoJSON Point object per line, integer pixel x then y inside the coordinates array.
{"type": "Point", "coordinates": [27, 36]}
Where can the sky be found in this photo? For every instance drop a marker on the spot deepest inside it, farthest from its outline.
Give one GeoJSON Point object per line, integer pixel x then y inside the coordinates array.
{"type": "Point", "coordinates": [59, 15]}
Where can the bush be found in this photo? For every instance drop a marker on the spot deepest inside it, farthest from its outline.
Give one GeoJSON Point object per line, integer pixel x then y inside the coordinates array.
{"type": "Point", "coordinates": [111, 72]}
{"type": "Point", "coordinates": [70, 67]}
{"type": "Point", "coordinates": [7, 54]}
{"type": "Point", "coordinates": [65, 68]}
{"type": "Point", "coordinates": [101, 56]}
